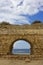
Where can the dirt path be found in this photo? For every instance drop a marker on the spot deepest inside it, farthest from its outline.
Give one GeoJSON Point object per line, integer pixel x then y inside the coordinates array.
{"type": "Point", "coordinates": [20, 62]}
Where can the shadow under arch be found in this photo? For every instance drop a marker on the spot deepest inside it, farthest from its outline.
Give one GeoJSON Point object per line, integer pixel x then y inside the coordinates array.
{"type": "Point", "coordinates": [11, 46]}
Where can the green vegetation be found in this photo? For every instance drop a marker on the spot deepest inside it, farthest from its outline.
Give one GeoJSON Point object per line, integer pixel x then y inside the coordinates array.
{"type": "Point", "coordinates": [4, 23]}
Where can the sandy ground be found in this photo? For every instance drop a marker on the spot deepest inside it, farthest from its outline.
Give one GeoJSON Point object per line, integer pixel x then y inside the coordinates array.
{"type": "Point", "coordinates": [20, 62]}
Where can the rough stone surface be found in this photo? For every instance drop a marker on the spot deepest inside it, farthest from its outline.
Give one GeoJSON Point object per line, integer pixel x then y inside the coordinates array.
{"type": "Point", "coordinates": [30, 33]}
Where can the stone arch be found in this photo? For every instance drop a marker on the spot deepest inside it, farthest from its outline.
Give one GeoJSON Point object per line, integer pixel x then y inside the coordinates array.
{"type": "Point", "coordinates": [11, 46]}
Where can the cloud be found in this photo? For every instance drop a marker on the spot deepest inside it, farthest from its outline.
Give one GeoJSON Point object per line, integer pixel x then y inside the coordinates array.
{"type": "Point", "coordinates": [10, 10]}
{"type": "Point", "coordinates": [30, 7]}
{"type": "Point", "coordinates": [13, 19]}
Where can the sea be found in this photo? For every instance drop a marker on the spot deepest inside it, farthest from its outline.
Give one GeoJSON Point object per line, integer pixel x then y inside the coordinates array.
{"type": "Point", "coordinates": [21, 51]}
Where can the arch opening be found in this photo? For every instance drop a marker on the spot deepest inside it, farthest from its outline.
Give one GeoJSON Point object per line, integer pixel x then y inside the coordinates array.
{"type": "Point", "coordinates": [21, 47]}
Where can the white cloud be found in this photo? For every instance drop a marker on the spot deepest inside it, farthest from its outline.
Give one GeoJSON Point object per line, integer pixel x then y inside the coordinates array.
{"type": "Point", "coordinates": [10, 11]}
{"type": "Point", "coordinates": [13, 19]}
{"type": "Point", "coordinates": [30, 7]}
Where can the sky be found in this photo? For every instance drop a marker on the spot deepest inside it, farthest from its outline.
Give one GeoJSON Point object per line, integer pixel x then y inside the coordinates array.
{"type": "Point", "coordinates": [21, 11]}
{"type": "Point", "coordinates": [21, 44]}
{"type": "Point", "coordinates": [21, 47]}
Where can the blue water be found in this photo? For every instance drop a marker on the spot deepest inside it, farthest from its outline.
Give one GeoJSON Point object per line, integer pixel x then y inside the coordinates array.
{"type": "Point", "coordinates": [21, 51]}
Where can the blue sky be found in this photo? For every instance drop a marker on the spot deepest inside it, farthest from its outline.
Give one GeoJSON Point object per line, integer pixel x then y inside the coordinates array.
{"type": "Point", "coordinates": [38, 16]}
{"type": "Point", "coordinates": [21, 44]}
{"type": "Point", "coordinates": [21, 11]}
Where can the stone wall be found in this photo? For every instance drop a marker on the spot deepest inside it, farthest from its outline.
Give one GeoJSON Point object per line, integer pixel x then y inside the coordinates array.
{"type": "Point", "coordinates": [33, 36]}
{"type": "Point", "coordinates": [7, 41]}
